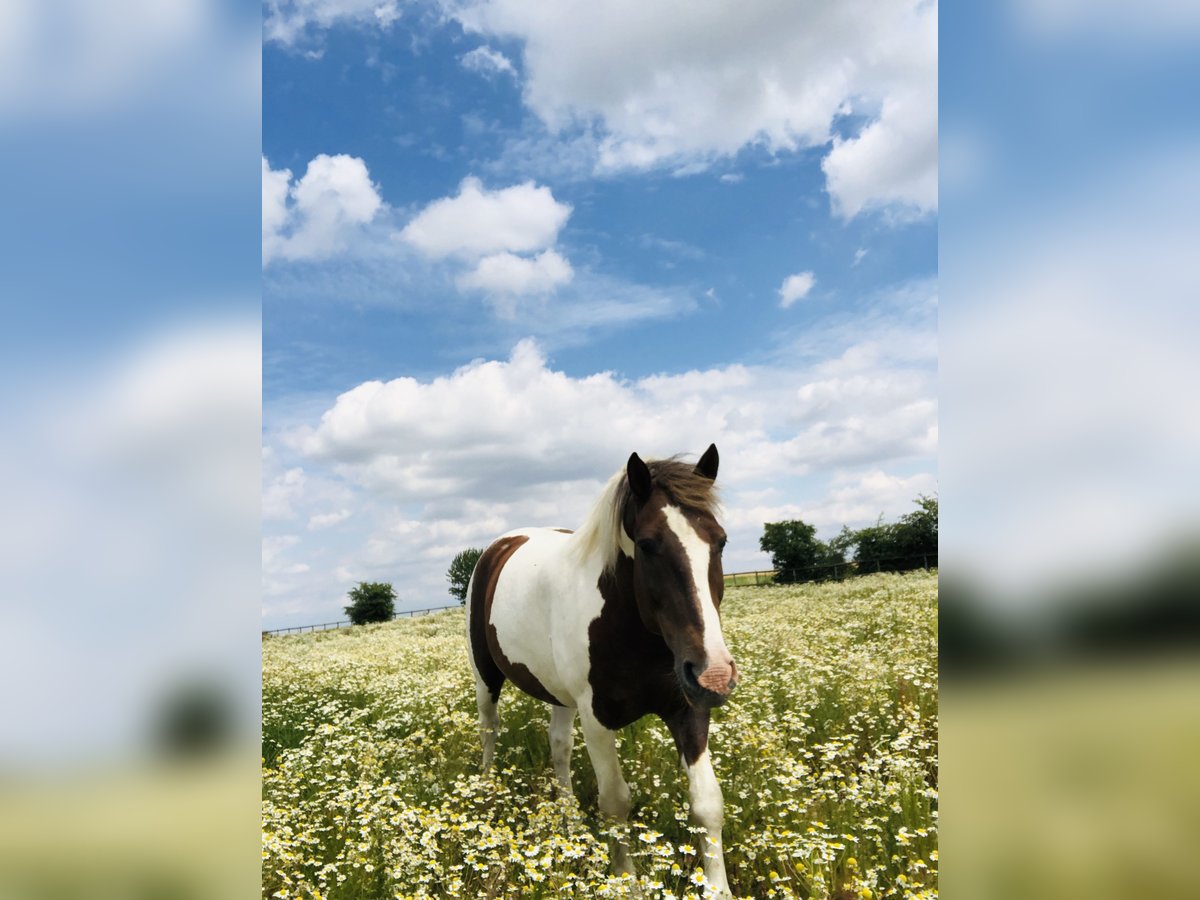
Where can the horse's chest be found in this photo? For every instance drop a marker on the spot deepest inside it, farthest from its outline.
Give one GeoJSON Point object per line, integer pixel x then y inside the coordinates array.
{"type": "Point", "coordinates": [631, 678]}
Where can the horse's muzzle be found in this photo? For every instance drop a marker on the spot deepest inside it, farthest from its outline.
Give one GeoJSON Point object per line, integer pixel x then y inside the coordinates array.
{"type": "Point", "coordinates": [710, 687]}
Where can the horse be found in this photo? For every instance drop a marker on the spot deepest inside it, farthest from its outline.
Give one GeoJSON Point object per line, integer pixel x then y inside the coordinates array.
{"type": "Point", "coordinates": [614, 621]}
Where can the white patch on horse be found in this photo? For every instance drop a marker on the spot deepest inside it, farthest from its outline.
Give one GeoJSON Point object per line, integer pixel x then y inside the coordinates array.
{"type": "Point", "coordinates": [699, 553]}
{"type": "Point", "coordinates": [541, 611]}
{"type": "Point", "coordinates": [708, 809]}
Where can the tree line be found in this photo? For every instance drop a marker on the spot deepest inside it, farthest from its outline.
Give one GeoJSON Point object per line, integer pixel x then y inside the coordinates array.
{"type": "Point", "coordinates": [797, 554]}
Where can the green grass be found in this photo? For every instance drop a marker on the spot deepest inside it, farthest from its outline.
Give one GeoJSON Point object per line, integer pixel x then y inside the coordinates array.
{"type": "Point", "coordinates": [827, 755]}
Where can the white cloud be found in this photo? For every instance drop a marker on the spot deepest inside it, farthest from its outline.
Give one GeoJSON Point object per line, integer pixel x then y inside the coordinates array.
{"type": "Point", "coordinates": [289, 22]}
{"type": "Point", "coordinates": [317, 216]}
{"type": "Point", "coordinates": [477, 222]}
{"type": "Point", "coordinates": [493, 426]}
{"type": "Point", "coordinates": [281, 492]}
{"type": "Point", "coordinates": [891, 162]}
{"type": "Point", "coordinates": [277, 567]}
{"type": "Point", "coordinates": [698, 82]}
{"type": "Point", "coordinates": [506, 274]}
{"type": "Point", "coordinates": [486, 61]}
{"type": "Point", "coordinates": [795, 287]}
{"type": "Point", "coordinates": [275, 187]}
{"type": "Point", "coordinates": [327, 520]}
{"type": "Point", "coordinates": [490, 229]}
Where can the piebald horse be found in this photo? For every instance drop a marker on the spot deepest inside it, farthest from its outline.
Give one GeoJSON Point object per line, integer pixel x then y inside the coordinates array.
{"type": "Point", "coordinates": [615, 621]}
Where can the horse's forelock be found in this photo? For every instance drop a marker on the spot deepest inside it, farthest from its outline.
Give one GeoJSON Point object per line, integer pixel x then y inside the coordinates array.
{"type": "Point", "coordinates": [686, 488]}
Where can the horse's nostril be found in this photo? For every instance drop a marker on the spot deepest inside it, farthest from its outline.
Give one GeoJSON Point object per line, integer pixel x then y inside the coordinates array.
{"type": "Point", "coordinates": [691, 678]}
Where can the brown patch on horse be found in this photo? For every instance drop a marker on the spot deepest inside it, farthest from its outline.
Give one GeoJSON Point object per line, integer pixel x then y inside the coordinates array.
{"type": "Point", "coordinates": [490, 660]}
{"type": "Point", "coordinates": [632, 672]}
{"type": "Point", "coordinates": [690, 731]}
{"type": "Point", "coordinates": [631, 669]}
{"type": "Point", "coordinates": [483, 586]}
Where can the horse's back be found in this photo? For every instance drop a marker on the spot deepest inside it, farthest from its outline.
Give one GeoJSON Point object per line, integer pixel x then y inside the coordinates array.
{"type": "Point", "coordinates": [523, 615]}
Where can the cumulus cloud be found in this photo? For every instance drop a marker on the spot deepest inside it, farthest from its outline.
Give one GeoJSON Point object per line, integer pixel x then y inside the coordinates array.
{"type": "Point", "coordinates": [795, 287]}
{"type": "Point", "coordinates": [491, 229]}
{"type": "Point", "coordinates": [317, 216]}
{"type": "Point", "coordinates": [701, 81]}
{"type": "Point", "coordinates": [476, 222]}
{"type": "Point", "coordinates": [507, 274]}
{"type": "Point", "coordinates": [892, 162]}
{"type": "Point", "coordinates": [486, 61]}
{"type": "Point", "coordinates": [519, 421]}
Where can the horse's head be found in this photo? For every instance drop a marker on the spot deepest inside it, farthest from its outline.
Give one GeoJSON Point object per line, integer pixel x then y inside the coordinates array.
{"type": "Point", "coordinates": [678, 580]}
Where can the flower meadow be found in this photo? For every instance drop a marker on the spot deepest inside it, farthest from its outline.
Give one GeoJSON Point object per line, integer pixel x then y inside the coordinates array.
{"type": "Point", "coordinates": [827, 755]}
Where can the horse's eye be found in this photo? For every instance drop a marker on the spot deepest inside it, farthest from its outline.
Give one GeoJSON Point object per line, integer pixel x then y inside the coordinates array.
{"type": "Point", "coordinates": [648, 545]}
{"type": "Point", "coordinates": [721, 545]}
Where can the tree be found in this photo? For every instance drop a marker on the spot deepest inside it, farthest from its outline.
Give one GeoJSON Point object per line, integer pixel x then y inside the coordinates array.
{"type": "Point", "coordinates": [371, 601]}
{"type": "Point", "coordinates": [797, 554]}
{"type": "Point", "coordinates": [910, 543]}
{"type": "Point", "coordinates": [875, 548]}
{"type": "Point", "coordinates": [917, 532]}
{"type": "Point", "coordinates": [459, 574]}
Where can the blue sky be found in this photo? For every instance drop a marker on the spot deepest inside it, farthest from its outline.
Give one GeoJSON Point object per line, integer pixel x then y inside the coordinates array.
{"type": "Point", "coordinates": [502, 249]}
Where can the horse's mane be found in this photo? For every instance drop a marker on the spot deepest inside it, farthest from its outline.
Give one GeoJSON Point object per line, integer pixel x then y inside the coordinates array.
{"type": "Point", "coordinates": [600, 532]}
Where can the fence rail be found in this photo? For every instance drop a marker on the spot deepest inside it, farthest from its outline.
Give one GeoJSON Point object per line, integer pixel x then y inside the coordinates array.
{"type": "Point", "coordinates": [833, 571]}
{"type": "Point", "coordinates": [823, 572]}
{"type": "Point", "coordinates": [331, 626]}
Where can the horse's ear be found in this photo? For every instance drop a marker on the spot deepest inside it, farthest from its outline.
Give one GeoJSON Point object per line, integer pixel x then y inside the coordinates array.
{"type": "Point", "coordinates": [708, 463]}
{"type": "Point", "coordinates": [639, 477]}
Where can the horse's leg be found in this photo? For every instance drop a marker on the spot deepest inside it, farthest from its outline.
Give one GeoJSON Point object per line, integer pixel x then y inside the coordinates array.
{"type": "Point", "coordinates": [614, 792]}
{"type": "Point", "coordinates": [708, 809]}
{"type": "Point", "coordinates": [690, 730]}
{"type": "Point", "coordinates": [489, 719]}
{"type": "Point", "coordinates": [488, 677]}
{"type": "Point", "coordinates": [562, 737]}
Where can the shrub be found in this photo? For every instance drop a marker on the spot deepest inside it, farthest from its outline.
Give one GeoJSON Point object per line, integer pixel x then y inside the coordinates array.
{"type": "Point", "coordinates": [371, 601]}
